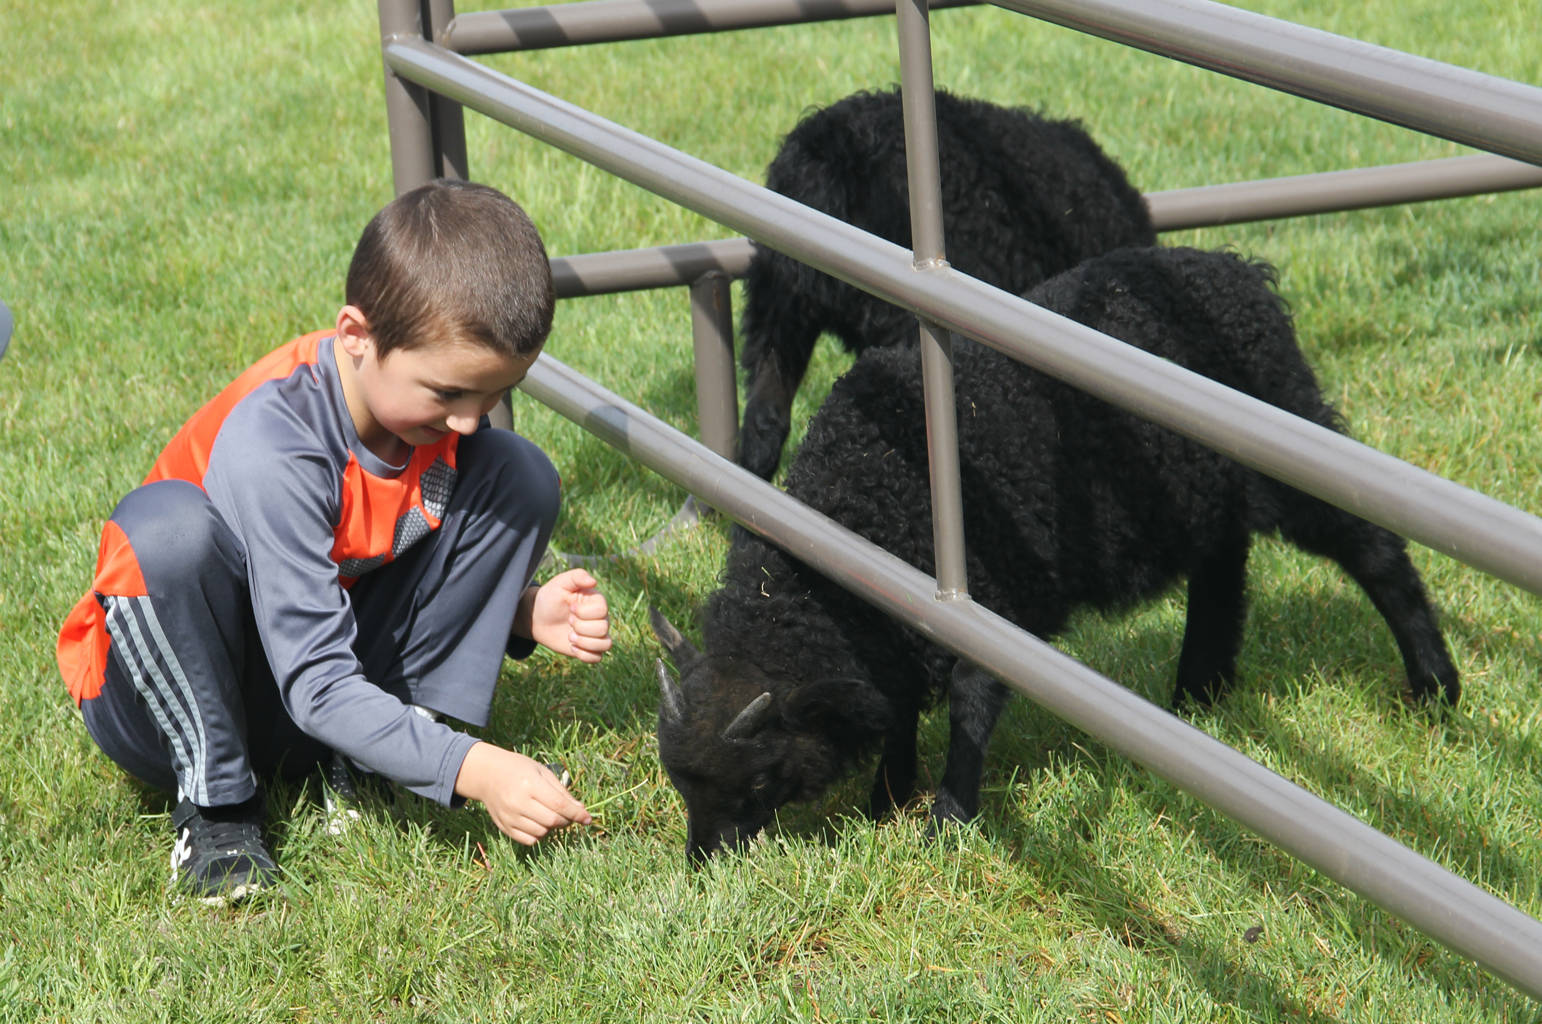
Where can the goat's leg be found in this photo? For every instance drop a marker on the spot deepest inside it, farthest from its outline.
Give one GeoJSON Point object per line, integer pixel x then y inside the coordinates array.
{"type": "Point", "coordinates": [895, 782]}
{"type": "Point", "coordinates": [775, 365]}
{"type": "Point", "coordinates": [1212, 633]}
{"type": "Point", "coordinates": [769, 392]}
{"type": "Point", "coordinates": [1377, 559]}
{"type": "Point", "coordinates": [975, 701]}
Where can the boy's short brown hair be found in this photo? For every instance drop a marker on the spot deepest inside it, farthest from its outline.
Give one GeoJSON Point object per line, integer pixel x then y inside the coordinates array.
{"type": "Point", "coordinates": [457, 261]}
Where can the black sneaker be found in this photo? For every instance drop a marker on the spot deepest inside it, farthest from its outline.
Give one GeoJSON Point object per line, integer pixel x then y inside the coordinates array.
{"type": "Point", "coordinates": [344, 786]}
{"type": "Point", "coordinates": [219, 857]}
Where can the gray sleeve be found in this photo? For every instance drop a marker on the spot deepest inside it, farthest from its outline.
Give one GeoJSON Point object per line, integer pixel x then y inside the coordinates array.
{"type": "Point", "coordinates": [281, 501]}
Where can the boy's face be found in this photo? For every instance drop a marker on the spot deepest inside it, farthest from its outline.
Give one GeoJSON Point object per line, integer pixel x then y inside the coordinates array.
{"type": "Point", "coordinates": [417, 395]}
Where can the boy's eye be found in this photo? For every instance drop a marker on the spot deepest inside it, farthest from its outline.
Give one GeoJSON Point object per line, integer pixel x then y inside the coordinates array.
{"type": "Point", "coordinates": [447, 396]}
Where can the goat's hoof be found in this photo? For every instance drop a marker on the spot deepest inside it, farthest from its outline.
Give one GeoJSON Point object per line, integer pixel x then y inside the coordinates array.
{"type": "Point", "coordinates": [1434, 690]}
{"type": "Point", "coordinates": [947, 810]}
{"type": "Point", "coordinates": [1188, 699]}
{"type": "Point", "coordinates": [1185, 703]}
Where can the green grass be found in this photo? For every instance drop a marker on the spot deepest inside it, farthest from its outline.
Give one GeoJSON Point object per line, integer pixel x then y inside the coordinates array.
{"type": "Point", "coordinates": [182, 186]}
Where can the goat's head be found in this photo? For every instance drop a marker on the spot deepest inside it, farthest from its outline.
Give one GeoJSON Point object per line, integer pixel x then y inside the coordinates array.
{"type": "Point", "coordinates": [738, 745]}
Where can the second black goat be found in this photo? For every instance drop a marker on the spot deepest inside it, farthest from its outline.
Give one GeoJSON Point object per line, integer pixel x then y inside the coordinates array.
{"type": "Point", "coordinates": [1023, 198]}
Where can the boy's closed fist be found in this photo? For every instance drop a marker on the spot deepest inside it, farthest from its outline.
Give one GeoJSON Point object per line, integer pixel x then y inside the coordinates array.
{"type": "Point", "coordinates": [570, 616]}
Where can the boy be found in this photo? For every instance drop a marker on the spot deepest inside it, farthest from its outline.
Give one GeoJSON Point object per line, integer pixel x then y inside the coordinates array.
{"type": "Point", "coordinates": [330, 555]}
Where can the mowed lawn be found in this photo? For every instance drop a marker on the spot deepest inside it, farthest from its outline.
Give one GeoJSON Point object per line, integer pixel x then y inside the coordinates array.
{"type": "Point", "coordinates": [180, 188]}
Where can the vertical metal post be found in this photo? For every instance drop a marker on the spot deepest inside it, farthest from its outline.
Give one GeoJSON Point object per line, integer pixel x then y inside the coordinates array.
{"type": "Point", "coordinates": [448, 118]}
{"type": "Point", "coordinates": [447, 148]}
{"type": "Point", "coordinates": [925, 176]}
{"type": "Point", "coordinates": [413, 159]}
{"type": "Point", "coordinates": [428, 131]}
{"type": "Point", "coordinates": [712, 333]}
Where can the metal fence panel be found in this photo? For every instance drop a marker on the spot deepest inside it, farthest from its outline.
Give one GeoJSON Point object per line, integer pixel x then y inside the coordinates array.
{"type": "Point", "coordinates": [1493, 114]}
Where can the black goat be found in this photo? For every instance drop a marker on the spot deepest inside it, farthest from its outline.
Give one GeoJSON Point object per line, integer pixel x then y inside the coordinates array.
{"type": "Point", "coordinates": [1069, 502]}
{"type": "Point", "coordinates": [1023, 198]}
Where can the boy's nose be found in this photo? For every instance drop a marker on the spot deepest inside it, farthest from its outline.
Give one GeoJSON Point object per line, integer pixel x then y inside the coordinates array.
{"type": "Point", "coordinates": [463, 425]}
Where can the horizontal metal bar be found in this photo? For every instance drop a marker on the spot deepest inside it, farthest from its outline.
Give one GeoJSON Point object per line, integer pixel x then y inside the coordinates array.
{"type": "Point", "coordinates": [629, 270]}
{"type": "Point", "coordinates": [1469, 526]}
{"type": "Point", "coordinates": [623, 270]}
{"type": "Point", "coordinates": [1336, 191]}
{"type": "Point", "coordinates": [1443, 906]}
{"type": "Point", "coordinates": [610, 21]}
{"type": "Point", "coordinates": [1465, 106]}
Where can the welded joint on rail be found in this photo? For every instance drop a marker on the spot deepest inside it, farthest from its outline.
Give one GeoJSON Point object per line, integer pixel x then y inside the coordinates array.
{"type": "Point", "coordinates": [709, 278]}
{"type": "Point", "coordinates": [446, 37]}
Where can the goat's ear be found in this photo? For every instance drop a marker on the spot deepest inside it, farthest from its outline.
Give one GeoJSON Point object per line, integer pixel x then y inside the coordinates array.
{"type": "Point", "coordinates": [854, 703]}
{"type": "Point", "coordinates": [681, 651]}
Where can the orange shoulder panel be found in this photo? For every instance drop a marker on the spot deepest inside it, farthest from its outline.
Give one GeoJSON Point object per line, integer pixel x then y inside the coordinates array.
{"type": "Point", "coordinates": [186, 456]}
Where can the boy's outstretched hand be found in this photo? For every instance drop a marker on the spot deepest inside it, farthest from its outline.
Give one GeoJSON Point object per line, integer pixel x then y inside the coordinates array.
{"type": "Point", "coordinates": [570, 616]}
{"type": "Point", "coordinates": [525, 799]}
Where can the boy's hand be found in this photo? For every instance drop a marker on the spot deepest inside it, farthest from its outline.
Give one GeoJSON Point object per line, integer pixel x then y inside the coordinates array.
{"type": "Point", "coordinates": [570, 616]}
{"type": "Point", "coordinates": [524, 798]}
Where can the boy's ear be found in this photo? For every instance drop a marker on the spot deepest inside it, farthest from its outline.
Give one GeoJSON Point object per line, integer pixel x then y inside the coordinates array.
{"type": "Point", "coordinates": [353, 332]}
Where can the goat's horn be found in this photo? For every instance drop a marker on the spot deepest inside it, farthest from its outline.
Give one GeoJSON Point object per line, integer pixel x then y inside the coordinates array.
{"type": "Point", "coordinates": [748, 721]}
{"type": "Point", "coordinates": [669, 693]}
